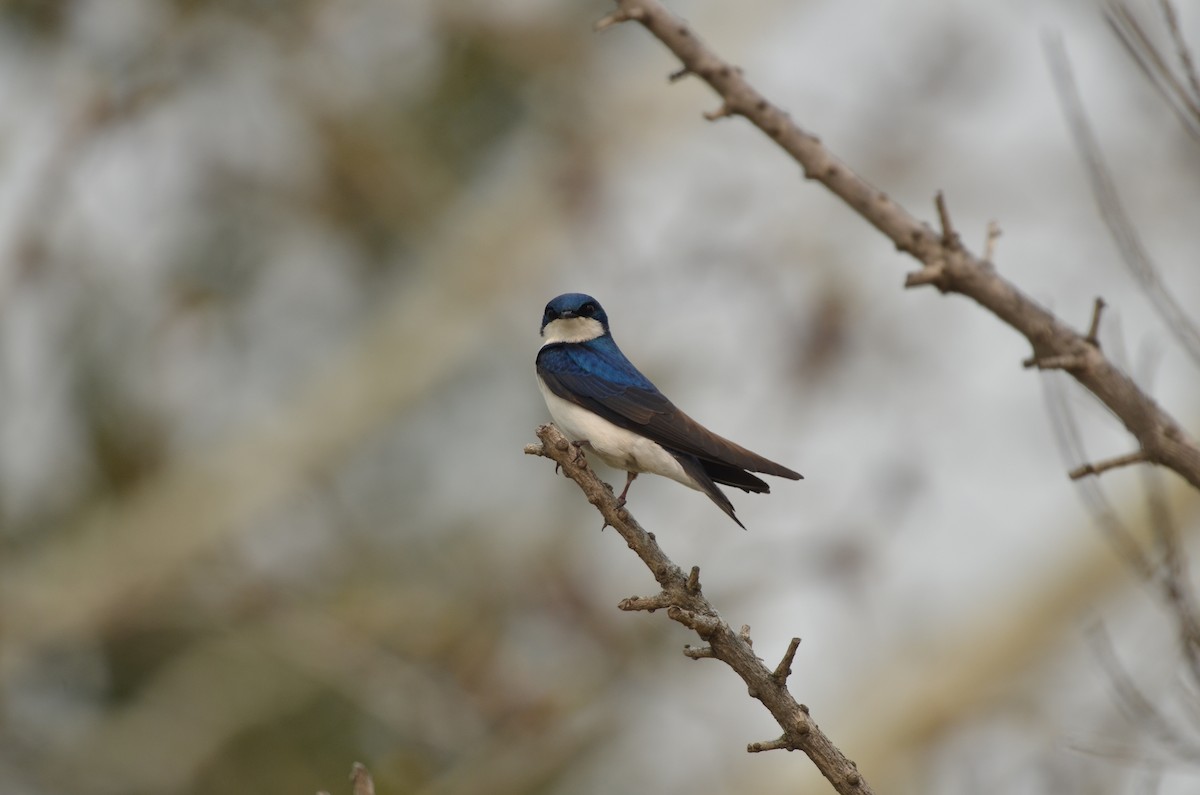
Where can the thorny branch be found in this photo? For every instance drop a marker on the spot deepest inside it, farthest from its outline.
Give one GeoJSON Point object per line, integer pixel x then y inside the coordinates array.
{"type": "Point", "coordinates": [947, 263]}
{"type": "Point", "coordinates": [683, 598]}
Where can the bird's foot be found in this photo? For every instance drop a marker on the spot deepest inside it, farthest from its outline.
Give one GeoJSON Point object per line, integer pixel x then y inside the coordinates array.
{"type": "Point", "coordinates": [580, 444]}
{"type": "Point", "coordinates": [629, 478]}
{"type": "Point", "coordinates": [580, 458]}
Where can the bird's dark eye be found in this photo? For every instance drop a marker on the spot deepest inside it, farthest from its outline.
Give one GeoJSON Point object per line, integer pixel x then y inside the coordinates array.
{"type": "Point", "coordinates": [588, 309]}
{"type": "Point", "coordinates": [549, 315]}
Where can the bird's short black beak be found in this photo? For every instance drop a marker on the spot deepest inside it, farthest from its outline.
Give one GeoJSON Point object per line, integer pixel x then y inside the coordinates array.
{"type": "Point", "coordinates": [567, 314]}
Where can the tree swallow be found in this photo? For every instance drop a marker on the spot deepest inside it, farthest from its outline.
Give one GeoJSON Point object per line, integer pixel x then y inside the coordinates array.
{"type": "Point", "coordinates": [600, 400]}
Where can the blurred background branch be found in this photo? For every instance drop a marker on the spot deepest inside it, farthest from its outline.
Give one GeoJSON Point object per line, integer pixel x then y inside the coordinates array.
{"type": "Point", "coordinates": [1178, 84]}
{"type": "Point", "coordinates": [1124, 232]}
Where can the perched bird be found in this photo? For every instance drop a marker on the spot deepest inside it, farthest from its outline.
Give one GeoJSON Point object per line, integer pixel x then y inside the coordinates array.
{"type": "Point", "coordinates": [601, 401]}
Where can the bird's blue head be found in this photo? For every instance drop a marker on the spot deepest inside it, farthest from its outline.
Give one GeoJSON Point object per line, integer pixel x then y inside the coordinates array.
{"type": "Point", "coordinates": [573, 317]}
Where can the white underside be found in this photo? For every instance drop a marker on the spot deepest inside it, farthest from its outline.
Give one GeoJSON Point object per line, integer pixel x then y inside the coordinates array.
{"type": "Point", "coordinates": [571, 329]}
{"type": "Point", "coordinates": [614, 446]}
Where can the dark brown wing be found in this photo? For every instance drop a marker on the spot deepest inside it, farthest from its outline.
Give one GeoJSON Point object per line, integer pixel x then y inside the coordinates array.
{"type": "Point", "coordinates": [628, 400]}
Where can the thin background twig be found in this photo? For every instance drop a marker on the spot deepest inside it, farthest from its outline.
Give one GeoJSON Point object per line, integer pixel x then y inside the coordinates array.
{"type": "Point", "coordinates": [1124, 232]}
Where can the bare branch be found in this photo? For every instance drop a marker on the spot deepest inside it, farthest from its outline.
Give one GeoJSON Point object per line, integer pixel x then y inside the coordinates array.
{"type": "Point", "coordinates": [648, 603]}
{"type": "Point", "coordinates": [703, 625]}
{"type": "Point", "coordinates": [1093, 335]}
{"type": "Point", "coordinates": [989, 243]}
{"type": "Point", "coordinates": [784, 669]}
{"type": "Point", "coordinates": [782, 744]}
{"type": "Point", "coordinates": [1066, 361]}
{"type": "Point", "coordinates": [950, 237]}
{"type": "Point", "coordinates": [616, 18]}
{"type": "Point", "coordinates": [951, 268]}
{"type": "Point", "coordinates": [719, 113]}
{"type": "Point", "coordinates": [1109, 463]}
{"type": "Point", "coordinates": [931, 274]}
{"type": "Point", "coordinates": [688, 606]}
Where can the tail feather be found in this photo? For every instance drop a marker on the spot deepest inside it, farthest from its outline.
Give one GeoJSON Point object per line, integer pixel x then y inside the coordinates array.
{"type": "Point", "coordinates": [733, 476]}
{"type": "Point", "coordinates": [684, 433]}
{"type": "Point", "coordinates": [696, 470]}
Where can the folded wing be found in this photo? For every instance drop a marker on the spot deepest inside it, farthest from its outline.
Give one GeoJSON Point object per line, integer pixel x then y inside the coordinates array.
{"type": "Point", "coordinates": [598, 377]}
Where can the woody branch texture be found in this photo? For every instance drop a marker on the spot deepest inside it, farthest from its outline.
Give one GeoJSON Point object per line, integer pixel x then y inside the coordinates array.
{"type": "Point", "coordinates": [683, 599]}
{"type": "Point", "coordinates": [945, 262]}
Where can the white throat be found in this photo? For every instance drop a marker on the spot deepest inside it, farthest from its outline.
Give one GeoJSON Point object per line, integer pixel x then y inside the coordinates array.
{"type": "Point", "coordinates": [572, 329]}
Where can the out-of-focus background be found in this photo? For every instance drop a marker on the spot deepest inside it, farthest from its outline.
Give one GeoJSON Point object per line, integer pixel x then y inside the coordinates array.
{"type": "Point", "coordinates": [270, 283]}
